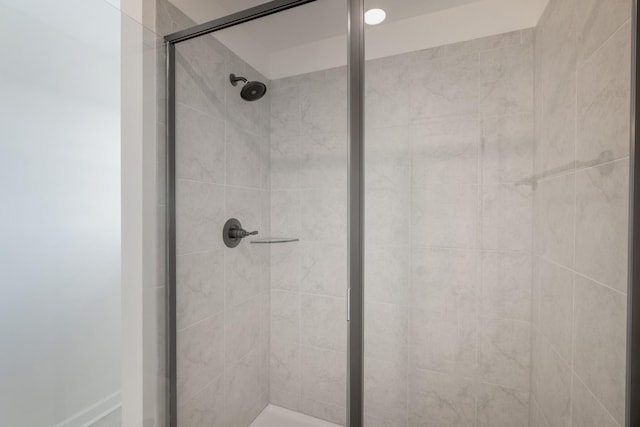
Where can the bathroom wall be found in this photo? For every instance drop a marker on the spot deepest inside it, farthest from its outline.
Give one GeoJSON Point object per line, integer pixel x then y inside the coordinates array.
{"type": "Point", "coordinates": [222, 171]}
{"type": "Point", "coordinates": [449, 148]}
{"type": "Point", "coordinates": [60, 311]}
{"type": "Point", "coordinates": [581, 200]}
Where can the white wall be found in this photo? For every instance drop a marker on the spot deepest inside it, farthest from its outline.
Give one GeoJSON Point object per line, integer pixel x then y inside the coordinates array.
{"type": "Point", "coordinates": [60, 220]}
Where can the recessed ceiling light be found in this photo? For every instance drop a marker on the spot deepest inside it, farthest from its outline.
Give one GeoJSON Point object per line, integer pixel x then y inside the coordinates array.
{"type": "Point", "coordinates": [374, 16]}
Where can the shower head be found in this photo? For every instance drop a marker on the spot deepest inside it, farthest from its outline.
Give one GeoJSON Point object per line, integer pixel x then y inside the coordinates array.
{"type": "Point", "coordinates": [252, 91]}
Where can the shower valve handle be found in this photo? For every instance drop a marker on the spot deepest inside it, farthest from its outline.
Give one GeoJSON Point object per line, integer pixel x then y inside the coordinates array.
{"type": "Point", "coordinates": [233, 233]}
{"type": "Point", "coordinates": [241, 233]}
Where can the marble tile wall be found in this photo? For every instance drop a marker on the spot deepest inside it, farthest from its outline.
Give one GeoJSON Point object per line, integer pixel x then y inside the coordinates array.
{"type": "Point", "coordinates": [448, 237]}
{"type": "Point", "coordinates": [582, 91]}
{"type": "Point", "coordinates": [309, 278]}
{"type": "Point", "coordinates": [223, 296]}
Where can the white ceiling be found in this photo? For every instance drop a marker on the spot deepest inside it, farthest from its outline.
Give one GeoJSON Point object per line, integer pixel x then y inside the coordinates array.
{"type": "Point", "coordinates": [313, 36]}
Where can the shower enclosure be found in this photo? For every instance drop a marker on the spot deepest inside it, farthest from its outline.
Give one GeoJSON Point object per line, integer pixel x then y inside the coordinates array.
{"type": "Point", "coordinates": [433, 231]}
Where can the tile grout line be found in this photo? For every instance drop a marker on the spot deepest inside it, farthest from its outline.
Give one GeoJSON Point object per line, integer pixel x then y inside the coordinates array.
{"type": "Point", "coordinates": [580, 66]}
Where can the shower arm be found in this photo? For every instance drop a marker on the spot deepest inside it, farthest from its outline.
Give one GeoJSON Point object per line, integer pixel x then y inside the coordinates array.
{"type": "Point", "coordinates": [235, 79]}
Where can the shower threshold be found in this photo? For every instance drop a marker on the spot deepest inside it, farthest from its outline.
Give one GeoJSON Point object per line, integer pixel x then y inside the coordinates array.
{"type": "Point", "coordinates": [275, 416]}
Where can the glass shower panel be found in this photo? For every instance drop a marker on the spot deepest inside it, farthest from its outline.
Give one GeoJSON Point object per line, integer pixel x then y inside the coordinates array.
{"type": "Point", "coordinates": [496, 213]}
{"type": "Point", "coordinates": [262, 326]}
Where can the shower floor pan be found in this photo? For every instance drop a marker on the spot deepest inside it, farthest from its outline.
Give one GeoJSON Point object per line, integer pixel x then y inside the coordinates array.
{"type": "Point", "coordinates": [275, 416]}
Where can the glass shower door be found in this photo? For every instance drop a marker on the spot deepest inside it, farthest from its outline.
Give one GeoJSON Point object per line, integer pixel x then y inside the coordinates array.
{"type": "Point", "coordinates": [261, 319]}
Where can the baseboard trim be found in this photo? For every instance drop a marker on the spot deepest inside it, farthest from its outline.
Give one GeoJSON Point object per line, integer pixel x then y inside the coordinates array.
{"type": "Point", "coordinates": [94, 412]}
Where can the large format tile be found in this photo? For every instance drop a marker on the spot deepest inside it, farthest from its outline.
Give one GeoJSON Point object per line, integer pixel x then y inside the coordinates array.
{"type": "Point", "coordinates": [555, 219]}
{"type": "Point", "coordinates": [442, 345]}
{"type": "Point", "coordinates": [324, 215]}
{"type": "Point", "coordinates": [557, 40]}
{"type": "Point", "coordinates": [536, 419]}
{"type": "Point", "coordinates": [507, 217]}
{"type": "Point", "coordinates": [444, 281]}
{"type": "Point", "coordinates": [597, 21]}
{"type": "Point", "coordinates": [587, 411]}
{"type": "Point", "coordinates": [385, 391]}
{"type": "Point", "coordinates": [285, 109]}
{"type": "Point", "coordinates": [286, 213]}
{"type": "Point", "coordinates": [440, 400]}
{"type": "Point", "coordinates": [602, 199]}
{"type": "Point", "coordinates": [242, 396]}
{"type": "Point", "coordinates": [200, 356]}
{"type": "Point", "coordinates": [600, 343]}
{"type": "Point", "coordinates": [323, 269]}
{"type": "Point", "coordinates": [286, 272]}
{"type": "Point", "coordinates": [502, 407]}
{"type": "Point", "coordinates": [507, 148]}
{"type": "Point", "coordinates": [445, 216]}
{"type": "Point", "coordinates": [445, 151]}
{"type": "Point", "coordinates": [199, 146]}
{"type": "Point", "coordinates": [386, 272]}
{"type": "Point", "coordinates": [244, 151]}
{"type": "Point", "coordinates": [387, 157]}
{"type": "Point", "coordinates": [324, 376]}
{"type": "Point", "coordinates": [199, 216]}
{"type": "Point", "coordinates": [242, 273]}
{"type": "Point", "coordinates": [506, 81]}
{"type": "Point", "coordinates": [387, 92]}
{"type": "Point", "coordinates": [323, 160]}
{"type": "Point", "coordinates": [285, 159]}
{"type": "Point", "coordinates": [604, 91]}
{"type": "Point", "coordinates": [199, 287]}
{"type": "Point", "coordinates": [387, 212]}
{"type": "Point", "coordinates": [386, 332]}
{"type": "Point", "coordinates": [504, 355]}
{"type": "Point", "coordinates": [558, 134]}
{"type": "Point", "coordinates": [323, 322]}
{"type": "Point", "coordinates": [285, 317]}
{"type": "Point", "coordinates": [505, 290]}
{"type": "Point", "coordinates": [323, 101]}
{"type": "Point", "coordinates": [242, 330]}
{"type": "Point", "coordinates": [444, 87]}
{"type": "Point", "coordinates": [551, 383]}
{"type": "Point", "coordinates": [201, 80]}
{"type": "Point", "coordinates": [555, 284]}
{"type": "Point", "coordinates": [285, 367]}
{"type": "Point", "coordinates": [206, 408]}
